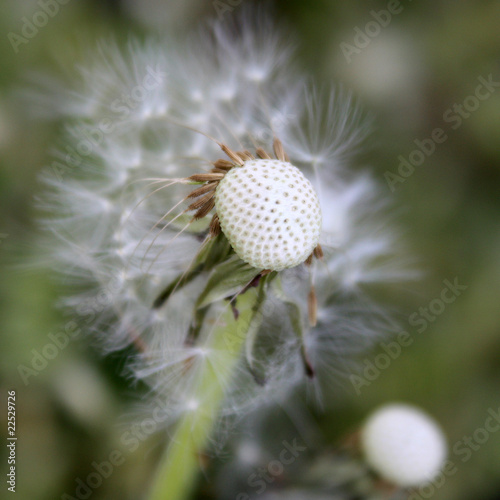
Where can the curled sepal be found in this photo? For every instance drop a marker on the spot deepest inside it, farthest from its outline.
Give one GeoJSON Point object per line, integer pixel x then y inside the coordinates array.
{"type": "Point", "coordinates": [255, 323]}
{"type": "Point", "coordinates": [215, 251]}
{"type": "Point", "coordinates": [295, 316]}
{"type": "Point", "coordinates": [227, 280]}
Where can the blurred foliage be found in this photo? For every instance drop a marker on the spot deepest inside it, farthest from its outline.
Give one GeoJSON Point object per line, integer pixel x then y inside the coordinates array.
{"type": "Point", "coordinates": [425, 61]}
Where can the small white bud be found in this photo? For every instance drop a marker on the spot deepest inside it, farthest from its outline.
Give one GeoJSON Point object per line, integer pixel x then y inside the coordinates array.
{"type": "Point", "coordinates": [270, 214]}
{"type": "Point", "coordinates": [404, 445]}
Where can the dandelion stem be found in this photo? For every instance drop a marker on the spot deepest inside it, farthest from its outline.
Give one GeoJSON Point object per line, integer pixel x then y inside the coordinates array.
{"type": "Point", "coordinates": [179, 468]}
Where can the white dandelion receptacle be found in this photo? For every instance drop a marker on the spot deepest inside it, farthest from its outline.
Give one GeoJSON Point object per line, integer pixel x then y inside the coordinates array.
{"type": "Point", "coordinates": [270, 214]}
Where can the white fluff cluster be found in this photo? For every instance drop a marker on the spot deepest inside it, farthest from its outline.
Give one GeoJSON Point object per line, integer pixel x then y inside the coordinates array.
{"type": "Point", "coordinates": [141, 115]}
{"type": "Point", "coordinates": [404, 445]}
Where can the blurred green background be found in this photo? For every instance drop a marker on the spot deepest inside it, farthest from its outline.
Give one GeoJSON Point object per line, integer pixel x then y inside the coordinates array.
{"type": "Point", "coordinates": [409, 75]}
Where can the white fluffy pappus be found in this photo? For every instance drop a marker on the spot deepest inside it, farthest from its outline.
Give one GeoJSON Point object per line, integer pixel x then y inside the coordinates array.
{"type": "Point", "coordinates": [404, 445]}
{"type": "Point", "coordinates": [141, 122]}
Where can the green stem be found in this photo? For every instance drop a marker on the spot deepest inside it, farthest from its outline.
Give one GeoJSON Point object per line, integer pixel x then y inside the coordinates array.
{"type": "Point", "coordinates": [179, 468]}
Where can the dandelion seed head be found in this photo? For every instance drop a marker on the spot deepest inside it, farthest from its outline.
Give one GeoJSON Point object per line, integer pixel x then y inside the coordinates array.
{"type": "Point", "coordinates": [404, 445]}
{"type": "Point", "coordinates": [124, 239]}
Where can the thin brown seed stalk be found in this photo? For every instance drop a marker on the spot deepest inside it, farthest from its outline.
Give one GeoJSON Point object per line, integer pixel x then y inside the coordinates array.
{"type": "Point", "coordinates": [308, 368]}
{"type": "Point", "coordinates": [243, 155]}
{"type": "Point", "coordinates": [204, 209]}
{"type": "Point", "coordinates": [216, 170]}
{"type": "Point", "coordinates": [215, 229]}
{"type": "Point", "coordinates": [200, 202]}
{"type": "Point", "coordinates": [211, 186]}
{"type": "Point", "coordinates": [262, 154]}
{"type": "Point", "coordinates": [206, 177]}
{"type": "Point", "coordinates": [312, 307]}
{"type": "Point", "coordinates": [318, 252]}
{"type": "Point", "coordinates": [234, 156]}
{"type": "Point", "coordinates": [223, 164]}
{"type": "Point", "coordinates": [279, 151]}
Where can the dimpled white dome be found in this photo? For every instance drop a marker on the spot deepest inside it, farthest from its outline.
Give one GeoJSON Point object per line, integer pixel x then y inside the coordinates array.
{"type": "Point", "coordinates": [270, 214]}
{"type": "Point", "coordinates": [404, 445]}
